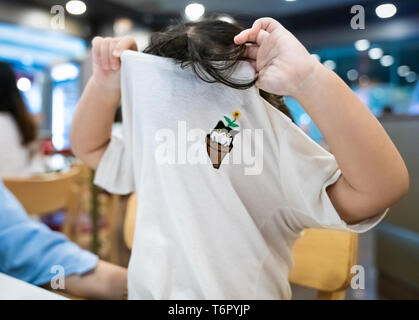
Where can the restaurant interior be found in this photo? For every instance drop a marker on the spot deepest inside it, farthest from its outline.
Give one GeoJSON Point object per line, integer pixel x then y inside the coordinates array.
{"type": "Point", "coordinates": [48, 45]}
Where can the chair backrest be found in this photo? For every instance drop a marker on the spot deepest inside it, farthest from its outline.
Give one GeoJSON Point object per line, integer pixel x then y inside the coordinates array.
{"type": "Point", "coordinates": [45, 193]}
{"type": "Point", "coordinates": [129, 224]}
{"type": "Point", "coordinates": [322, 258]}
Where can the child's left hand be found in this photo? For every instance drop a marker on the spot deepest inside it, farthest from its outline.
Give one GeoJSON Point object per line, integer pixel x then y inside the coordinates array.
{"type": "Point", "coordinates": [283, 64]}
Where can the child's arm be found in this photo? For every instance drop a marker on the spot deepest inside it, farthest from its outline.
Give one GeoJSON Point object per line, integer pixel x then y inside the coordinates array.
{"type": "Point", "coordinates": [105, 281]}
{"type": "Point", "coordinates": [92, 123]}
{"type": "Point", "coordinates": [374, 176]}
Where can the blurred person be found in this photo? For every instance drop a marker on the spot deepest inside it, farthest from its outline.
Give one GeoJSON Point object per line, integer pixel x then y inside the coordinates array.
{"type": "Point", "coordinates": [29, 250]}
{"type": "Point", "coordinates": [18, 128]}
{"type": "Point", "coordinates": [205, 232]}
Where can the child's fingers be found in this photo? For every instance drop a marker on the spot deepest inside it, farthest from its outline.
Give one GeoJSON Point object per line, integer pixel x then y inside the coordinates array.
{"type": "Point", "coordinates": [96, 43]}
{"type": "Point", "coordinates": [242, 37]}
{"type": "Point", "coordinates": [261, 37]}
{"type": "Point", "coordinates": [267, 24]}
{"type": "Point", "coordinates": [125, 43]}
{"type": "Point", "coordinates": [114, 61]}
{"type": "Point", "coordinates": [104, 51]}
{"type": "Point", "coordinates": [251, 35]}
{"type": "Point", "coordinates": [260, 79]}
{"type": "Point", "coordinates": [253, 63]}
{"type": "Point", "coordinates": [248, 35]}
{"type": "Point", "coordinates": [251, 51]}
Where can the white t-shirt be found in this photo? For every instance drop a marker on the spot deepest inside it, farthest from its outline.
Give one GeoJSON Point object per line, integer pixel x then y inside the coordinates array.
{"type": "Point", "coordinates": [14, 157]}
{"type": "Point", "coordinates": [221, 224]}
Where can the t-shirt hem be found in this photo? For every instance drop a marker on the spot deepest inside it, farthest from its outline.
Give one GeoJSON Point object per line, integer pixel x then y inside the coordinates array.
{"type": "Point", "coordinates": [106, 177]}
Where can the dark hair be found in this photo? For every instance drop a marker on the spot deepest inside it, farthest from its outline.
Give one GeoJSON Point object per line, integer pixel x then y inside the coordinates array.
{"type": "Point", "coordinates": [12, 102]}
{"type": "Point", "coordinates": [208, 48]}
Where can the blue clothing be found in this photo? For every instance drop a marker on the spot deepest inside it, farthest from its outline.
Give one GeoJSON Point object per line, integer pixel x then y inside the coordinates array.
{"type": "Point", "coordinates": [29, 249]}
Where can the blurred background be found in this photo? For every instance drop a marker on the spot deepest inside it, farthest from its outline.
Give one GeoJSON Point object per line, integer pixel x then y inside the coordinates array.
{"type": "Point", "coordinates": [47, 42]}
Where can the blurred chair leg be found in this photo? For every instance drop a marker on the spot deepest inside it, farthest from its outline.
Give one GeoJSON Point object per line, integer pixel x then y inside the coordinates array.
{"type": "Point", "coordinates": [69, 227]}
{"type": "Point", "coordinates": [114, 220]}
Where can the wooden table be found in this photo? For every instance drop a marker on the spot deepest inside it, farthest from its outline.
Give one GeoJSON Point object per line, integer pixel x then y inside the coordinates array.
{"type": "Point", "coordinates": [15, 289]}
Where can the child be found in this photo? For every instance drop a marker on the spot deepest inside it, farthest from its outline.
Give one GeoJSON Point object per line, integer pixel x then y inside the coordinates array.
{"type": "Point", "coordinates": [214, 221]}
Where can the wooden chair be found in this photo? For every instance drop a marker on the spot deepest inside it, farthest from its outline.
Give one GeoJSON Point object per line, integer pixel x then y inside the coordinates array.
{"type": "Point", "coordinates": [114, 218]}
{"type": "Point", "coordinates": [44, 194]}
{"type": "Point", "coordinates": [129, 224]}
{"type": "Point", "coordinates": [322, 258]}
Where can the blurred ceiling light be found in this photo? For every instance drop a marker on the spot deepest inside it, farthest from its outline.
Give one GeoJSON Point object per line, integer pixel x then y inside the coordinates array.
{"type": "Point", "coordinates": [122, 26]}
{"type": "Point", "coordinates": [36, 18]}
{"type": "Point", "coordinates": [403, 71]}
{"type": "Point", "coordinates": [411, 77]}
{"type": "Point", "coordinates": [63, 72]}
{"type": "Point", "coordinates": [317, 57]}
{"type": "Point", "coordinates": [76, 7]}
{"type": "Point", "coordinates": [290, 0]}
{"type": "Point", "coordinates": [376, 53]}
{"type": "Point", "coordinates": [362, 45]}
{"type": "Point", "coordinates": [352, 75]}
{"type": "Point", "coordinates": [57, 162]}
{"type": "Point", "coordinates": [387, 61]}
{"type": "Point", "coordinates": [24, 84]}
{"type": "Point", "coordinates": [330, 64]}
{"type": "Point", "coordinates": [194, 11]}
{"type": "Point", "coordinates": [386, 10]}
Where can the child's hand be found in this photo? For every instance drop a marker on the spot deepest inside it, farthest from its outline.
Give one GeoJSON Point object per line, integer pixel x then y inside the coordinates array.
{"type": "Point", "coordinates": [283, 64]}
{"type": "Point", "coordinates": [106, 54]}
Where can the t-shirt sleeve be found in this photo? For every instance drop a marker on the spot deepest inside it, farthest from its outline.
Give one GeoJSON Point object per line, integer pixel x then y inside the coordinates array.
{"type": "Point", "coordinates": [115, 173]}
{"type": "Point", "coordinates": [306, 170]}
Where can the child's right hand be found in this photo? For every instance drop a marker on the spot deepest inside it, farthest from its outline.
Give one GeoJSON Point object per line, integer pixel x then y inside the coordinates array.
{"type": "Point", "coordinates": [283, 64]}
{"type": "Point", "coordinates": [106, 60]}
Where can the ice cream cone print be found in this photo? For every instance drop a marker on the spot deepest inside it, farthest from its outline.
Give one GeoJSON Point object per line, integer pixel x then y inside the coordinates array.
{"type": "Point", "coordinates": [220, 140]}
{"type": "Point", "coordinates": [217, 152]}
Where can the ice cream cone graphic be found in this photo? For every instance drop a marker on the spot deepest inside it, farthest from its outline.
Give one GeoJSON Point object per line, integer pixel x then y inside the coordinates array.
{"type": "Point", "coordinates": [220, 140]}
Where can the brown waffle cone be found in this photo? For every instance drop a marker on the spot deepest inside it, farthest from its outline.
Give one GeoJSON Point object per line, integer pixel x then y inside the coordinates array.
{"type": "Point", "coordinates": [217, 152]}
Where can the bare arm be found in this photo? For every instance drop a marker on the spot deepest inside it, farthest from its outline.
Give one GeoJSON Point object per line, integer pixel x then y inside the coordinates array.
{"type": "Point", "coordinates": [105, 281]}
{"type": "Point", "coordinates": [92, 123]}
{"type": "Point", "coordinates": [374, 176]}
